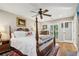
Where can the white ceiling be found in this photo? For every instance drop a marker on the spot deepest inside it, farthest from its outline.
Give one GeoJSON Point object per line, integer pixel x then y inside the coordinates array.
{"type": "Point", "coordinates": [24, 9]}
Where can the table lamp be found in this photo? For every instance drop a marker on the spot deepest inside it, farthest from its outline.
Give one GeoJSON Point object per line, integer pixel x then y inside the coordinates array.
{"type": "Point", "coordinates": [2, 30]}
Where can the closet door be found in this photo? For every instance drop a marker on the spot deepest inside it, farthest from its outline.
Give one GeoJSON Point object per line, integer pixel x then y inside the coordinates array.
{"type": "Point", "coordinates": [65, 32]}
{"type": "Point", "coordinates": [61, 32]}
{"type": "Point", "coordinates": [68, 31]}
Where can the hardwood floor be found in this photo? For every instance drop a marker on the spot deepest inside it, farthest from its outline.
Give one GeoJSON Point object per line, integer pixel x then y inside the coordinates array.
{"type": "Point", "coordinates": [67, 49]}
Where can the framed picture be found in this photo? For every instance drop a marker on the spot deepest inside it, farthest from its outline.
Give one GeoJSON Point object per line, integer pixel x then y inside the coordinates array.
{"type": "Point", "coordinates": [44, 27]}
{"type": "Point", "coordinates": [20, 22]}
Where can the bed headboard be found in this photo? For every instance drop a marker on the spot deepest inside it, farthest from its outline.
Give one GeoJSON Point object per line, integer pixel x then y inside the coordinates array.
{"type": "Point", "coordinates": [18, 29]}
{"type": "Point", "coordinates": [22, 29]}
{"type": "Point", "coordinates": [44, 32]}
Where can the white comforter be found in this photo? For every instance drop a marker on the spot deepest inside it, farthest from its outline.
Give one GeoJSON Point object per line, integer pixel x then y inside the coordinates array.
{"type": "Point", "coordinates": [44, 38]}
{"type": "Point", "coordinates": [27, 45]}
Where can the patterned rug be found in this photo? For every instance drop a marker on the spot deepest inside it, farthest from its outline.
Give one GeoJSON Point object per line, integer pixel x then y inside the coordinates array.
{"type": "Point", "coordinates": [54, 51]}
{"type": "Point", "coordinates": [12, 52]}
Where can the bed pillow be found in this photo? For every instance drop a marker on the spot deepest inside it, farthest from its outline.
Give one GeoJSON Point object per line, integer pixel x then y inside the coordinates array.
{"type": "Point", "coordinates": [33, 33]}
{"type": "Point", "coordinates": [20, 34]}
{"type": "Point", "coordinates": [29, 33]}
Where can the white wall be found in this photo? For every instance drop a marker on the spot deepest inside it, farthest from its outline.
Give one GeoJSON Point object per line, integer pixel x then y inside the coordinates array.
{"type": "Point", "coordinates": [7, 19]}
{"type": "Point", "coordinates": [30, 24]}
{"type": "Point", "coordinates": [58, 22]}
{"type": "Point", "coordinates": [10, 19]}
{"type": "Point", "coordinates": [76, 31]}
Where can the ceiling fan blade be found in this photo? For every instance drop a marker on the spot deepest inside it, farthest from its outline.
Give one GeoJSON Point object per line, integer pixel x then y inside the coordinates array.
{"type": "Point", "coordinates": [45, 11]}
{"type": "Point", "coordinates": [47, 15]}
{"type": "Point", "coordinates": [33, 11]}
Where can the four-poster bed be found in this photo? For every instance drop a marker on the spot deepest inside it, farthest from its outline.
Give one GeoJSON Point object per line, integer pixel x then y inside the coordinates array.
{"type": "Point", "coordinates": [41, 13]}
{"type": "Point", "coordinates": [42, 48]}
{"type": "Point", "coordinates": [37, 37]}
{"type": "Point", "coordinates": [30, 45]}
{"type": "Point", "coordinates": [47, 49]}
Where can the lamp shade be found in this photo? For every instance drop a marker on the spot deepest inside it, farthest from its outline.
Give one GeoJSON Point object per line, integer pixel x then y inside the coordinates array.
{"type": "Point", "coordinates": [2, 29]}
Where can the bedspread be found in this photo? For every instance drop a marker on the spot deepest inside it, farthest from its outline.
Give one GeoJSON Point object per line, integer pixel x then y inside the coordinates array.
{"type": "Point", "coordinates": [27, 45]}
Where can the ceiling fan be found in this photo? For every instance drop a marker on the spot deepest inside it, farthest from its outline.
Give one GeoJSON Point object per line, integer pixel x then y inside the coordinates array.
{"type": "Point", "coordinates": [41, 13]}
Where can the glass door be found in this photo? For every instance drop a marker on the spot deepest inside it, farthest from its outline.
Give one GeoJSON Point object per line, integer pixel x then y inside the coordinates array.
{"type": "Point", "coordinates": [54, 30]}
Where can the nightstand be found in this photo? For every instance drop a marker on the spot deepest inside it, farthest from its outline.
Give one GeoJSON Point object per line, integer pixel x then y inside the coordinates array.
{"type": "Point", "coordinates": [5, 42]}
{"type": "Point", "coordinates": [5, 46]}
{"type": "Point", "coordinates": [0, 42]}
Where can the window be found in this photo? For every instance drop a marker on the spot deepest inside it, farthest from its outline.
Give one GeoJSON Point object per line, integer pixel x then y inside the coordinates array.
{"type": "Point", "coordinates": [66, 25]}
{"type": "Point", "coordinates": [62, 25]}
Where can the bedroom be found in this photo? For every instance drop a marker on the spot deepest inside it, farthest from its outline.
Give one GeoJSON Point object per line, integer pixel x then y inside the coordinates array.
{"type": "Point", "coordinates": [62, 24]}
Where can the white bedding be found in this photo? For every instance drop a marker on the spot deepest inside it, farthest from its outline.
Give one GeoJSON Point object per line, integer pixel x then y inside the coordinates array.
{"type": "Point", "coordinates": [27, 45]}
{"type": "Point", "coordinates": [43, 38]}
{"type": "Point", "coordinates": [45, 45]}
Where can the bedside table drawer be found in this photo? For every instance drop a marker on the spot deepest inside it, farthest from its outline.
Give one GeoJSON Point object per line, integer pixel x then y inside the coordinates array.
{"type": "Point", "coordinates": [5, 42]}
{"type": "Point", "coordinates": [4, 47]}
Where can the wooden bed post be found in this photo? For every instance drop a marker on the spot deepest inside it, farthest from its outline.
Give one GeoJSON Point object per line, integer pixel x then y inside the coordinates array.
{"type": "Point", "coordinates": [37, 37]}
{"type": "Point", "coordinates": [9, 35]}
{"type": "Point", "coordinates": [10, 31]}
{"type": "Point", "coordinates": [54, 39]}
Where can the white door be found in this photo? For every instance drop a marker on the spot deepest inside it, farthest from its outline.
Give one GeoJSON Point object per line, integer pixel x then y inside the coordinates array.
{"type": "Point", "coordinates": [65, 32]}
{"type": "Point", "coordinates": [68, 31]}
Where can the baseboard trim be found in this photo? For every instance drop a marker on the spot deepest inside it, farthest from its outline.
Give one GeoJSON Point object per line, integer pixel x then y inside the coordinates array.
{"type": "Point", "coordinates": [75, 46]}
{"type": "Point", "coordinates": [65, 41]}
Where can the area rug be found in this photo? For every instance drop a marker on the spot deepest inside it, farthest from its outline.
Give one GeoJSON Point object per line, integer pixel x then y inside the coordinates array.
{"type": "Point", "coordinates": [12, 52]}
{"type": "Point", "coordinates": [54, 51]}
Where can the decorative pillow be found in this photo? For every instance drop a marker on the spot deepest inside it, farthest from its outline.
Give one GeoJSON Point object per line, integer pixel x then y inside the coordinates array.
{"type": "Point", "coordinates": [20, 29]}
{"type": "Point", "coordinates": [33, 33]}
{"type": "Point", "coordinates": [29, 33]}
{"type": "Point", "coordinates": [26, 29]}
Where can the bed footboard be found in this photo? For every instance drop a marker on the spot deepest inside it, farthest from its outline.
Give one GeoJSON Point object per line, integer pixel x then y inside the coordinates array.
{"type": "Point", "coordinates": [47, 50]}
